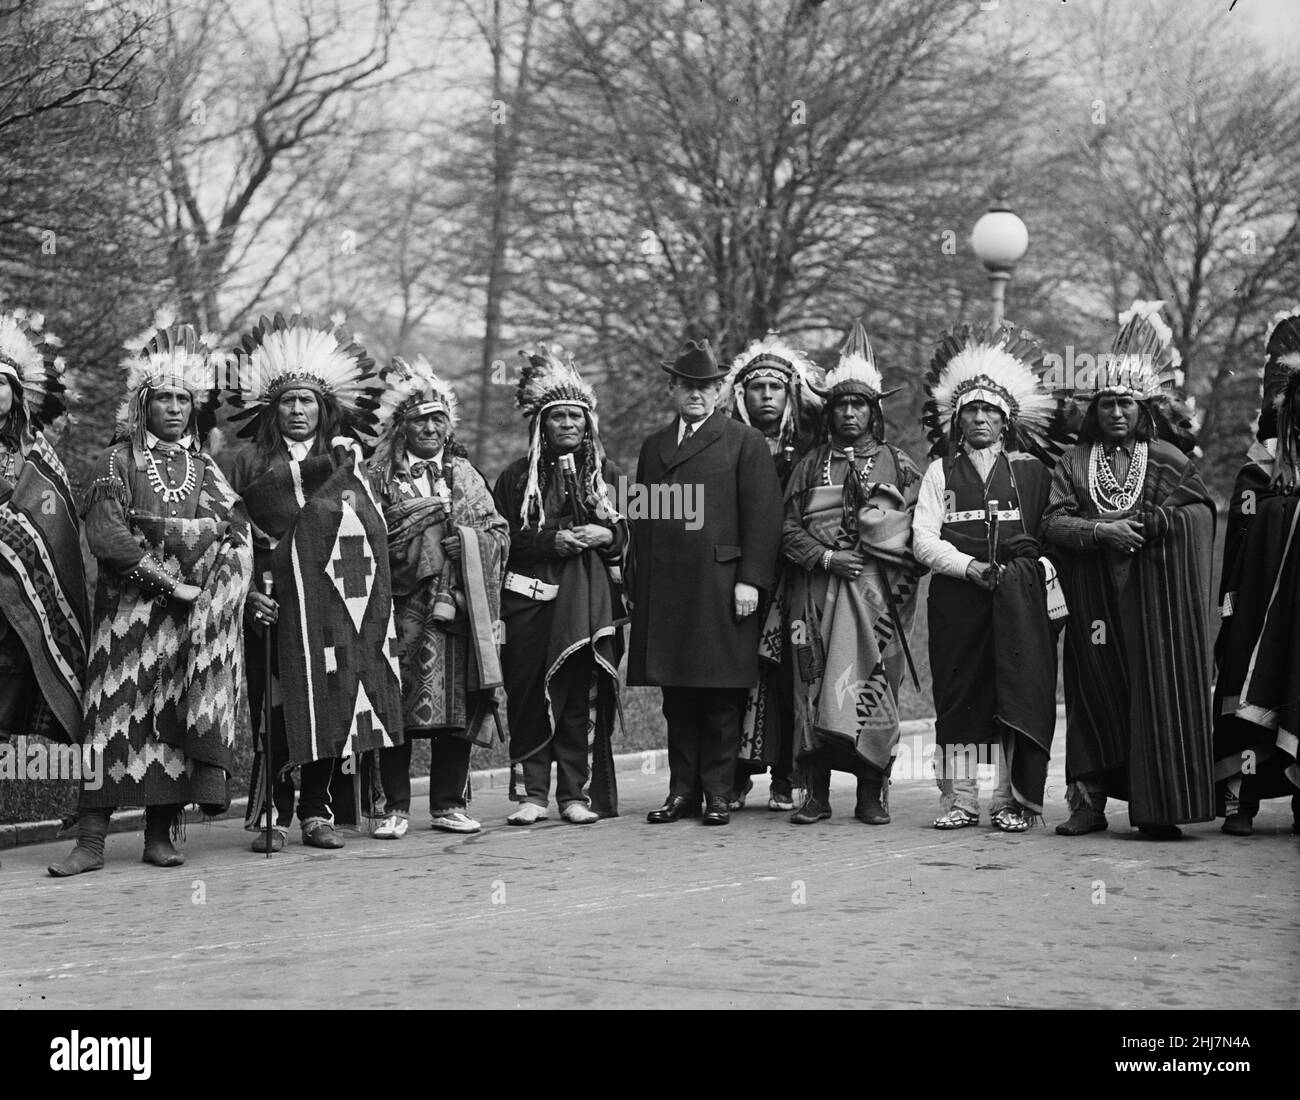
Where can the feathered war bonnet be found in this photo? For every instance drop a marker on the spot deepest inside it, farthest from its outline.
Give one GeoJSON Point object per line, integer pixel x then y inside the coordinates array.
{"type": "Point", "coordinates": [1002, 367]}
{"type": "Point", "coordinates": [549, 377]}
{"type": "Point", "coordinates": [1281, 369]}
{"type": "Point", "coordinates": [411, 389]}
{"type": "Point", "coordinates": [771, 357]}
{"type": "Point", "coordinates": [278, 355]}
{"type": "Point", "coordinates": [173, 356]}
{"type": "Point", "coordinates": [29, 356]}
{"type": "Point", "coordinates": [1143, 364]}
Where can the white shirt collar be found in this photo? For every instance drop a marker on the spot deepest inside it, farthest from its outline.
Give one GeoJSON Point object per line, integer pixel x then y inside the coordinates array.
{"type": "Point", "coordinates": [151, 440]}
{"type": "Point", "coordinates": [299, 449]}
{"type": "Point", "coordinates": [681, 428]}
{"type": "Point", "coordinates": [983, 458]}
{"type": "Point", "coordinates": [410, 458]}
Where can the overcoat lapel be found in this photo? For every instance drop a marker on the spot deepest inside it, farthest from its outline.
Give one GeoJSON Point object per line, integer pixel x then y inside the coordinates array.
{"type": "Point", "coordinates": [705, 435]}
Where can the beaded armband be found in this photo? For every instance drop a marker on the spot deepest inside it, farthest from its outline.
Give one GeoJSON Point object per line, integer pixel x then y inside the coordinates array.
{"type": "Point", "coordinates": [151, 577]}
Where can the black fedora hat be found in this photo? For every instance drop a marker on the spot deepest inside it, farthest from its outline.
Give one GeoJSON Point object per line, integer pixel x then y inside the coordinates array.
{"type": "Point", "coordinates": [695, 363]}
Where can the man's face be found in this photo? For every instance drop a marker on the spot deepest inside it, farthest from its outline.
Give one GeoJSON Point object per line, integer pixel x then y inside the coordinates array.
{"type": "Point", "coordinates": [981, 424]}
{"type": "Point", "coordinates": [6, 396]}
{"type": "Point", "coordinates": [426, 435]}
{"type": "Point", "coordinates": [168, 413]}
{"type": "Point", "coordinates": [563, 427]}
{"type": "Point", "coordinates": [765, 401]}
{"type": "Point", "coordinates": [693, 401]}
{"type": "Point", "coordinates": [850, 417]}
{"type": "Point", "coordinates": [298, 414]}
{"type": "Point", "coordinates": [1117, 415]}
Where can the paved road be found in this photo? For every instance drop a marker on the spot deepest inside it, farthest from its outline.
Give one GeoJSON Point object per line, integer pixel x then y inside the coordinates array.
{"type": "Point", "coordinates": [622, 914]}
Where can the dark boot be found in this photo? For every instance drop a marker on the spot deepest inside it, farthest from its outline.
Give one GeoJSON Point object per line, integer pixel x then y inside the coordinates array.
{"type": "Point", "coordinates": [817, 803]}
{"type": "Point", "coordinates": [158, 849]}
{"type": "Point", "coordinates": [88, 855]}
{"type": "Point", "coordinates": [1239, 824]}
{"type": "Point", "coordinates": [871, 808]}
{"type": "Point", "coordinates": [1088, 814]}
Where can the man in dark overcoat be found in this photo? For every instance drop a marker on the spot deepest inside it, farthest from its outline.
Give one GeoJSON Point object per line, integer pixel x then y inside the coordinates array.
{"type": "Point", "coordinates": [706, 512]}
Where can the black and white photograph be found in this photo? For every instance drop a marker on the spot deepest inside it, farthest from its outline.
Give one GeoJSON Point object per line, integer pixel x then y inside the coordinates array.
{"type": "Point", "coordinates": [662, 505]}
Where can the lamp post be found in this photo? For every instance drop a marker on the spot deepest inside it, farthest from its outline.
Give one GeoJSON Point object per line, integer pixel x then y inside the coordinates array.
{"type": "Point", "coordinates": [999, 239]}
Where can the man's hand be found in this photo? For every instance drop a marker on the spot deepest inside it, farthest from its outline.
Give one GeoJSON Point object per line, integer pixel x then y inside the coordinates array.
{"type": "Point", "coordinates": [451, 546]}
{"type": "Point", "coordinates": [186, 593]}
{"type": "Point", "coordinates": [1124, 535]}
{"type": "Point", "coordinates": [262, 607]}
{"type": "Point", "coordinates": [984, 574]}
{"type": "Point", "coordinates": [568, 543]}
{"type": "Point", "coordinates": [847, 564]}
{"type": "Point", "coordinates": [593, 535]}
{"type": "Point", "coordinates": [746, 600]}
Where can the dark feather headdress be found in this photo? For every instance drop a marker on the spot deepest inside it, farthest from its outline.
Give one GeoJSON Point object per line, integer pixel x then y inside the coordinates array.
{"type": "Point", "coordinates": [1281, 368]}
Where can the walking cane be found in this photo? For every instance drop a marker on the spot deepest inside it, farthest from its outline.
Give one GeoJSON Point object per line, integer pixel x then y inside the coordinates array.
{"type": "Point", "coordinates": [268, 583]}
{"type": "Point", "coordinates": [994, 521]}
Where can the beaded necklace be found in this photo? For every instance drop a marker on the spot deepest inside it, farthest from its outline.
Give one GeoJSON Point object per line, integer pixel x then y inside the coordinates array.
{"type": "Point", "coordinates": [172, 496]}
{"type": "Point", "coordinates": [1105, 487]}
{"type": "Point", "coordinates": [848, 454]}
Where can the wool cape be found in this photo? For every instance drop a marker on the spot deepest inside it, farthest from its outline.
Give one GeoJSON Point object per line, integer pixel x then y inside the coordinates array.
{"type": "Point", "coordinates": [43, 598]}
{"type": "Point", "coordinates": [1137, 641]}
{"type": "Point", "coordinates": [1257, 694]}
{"type": "Point", "coordinates": [165, 686]}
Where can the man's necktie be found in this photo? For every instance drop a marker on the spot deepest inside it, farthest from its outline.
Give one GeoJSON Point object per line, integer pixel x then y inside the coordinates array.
{"type": "Point", "coordinates": [419, 469]}
{"type": "Point", "coordinates": [690, 431]}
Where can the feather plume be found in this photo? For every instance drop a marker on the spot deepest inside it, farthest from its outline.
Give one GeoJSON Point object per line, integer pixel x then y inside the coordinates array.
{"type": "Point", "coordinates": [1281, 368]}
{"type": "Point", "coordinates": [168, 355]}
{"type": "Point", "coordinates": [1002, 367]}
{"type": "Point", "coordinates": [856, 371]}
{"type": "Point", "coordinates": [549, 377]}
{"type": "Point", "coordinates": [408, 387]}
{"type": "Point", "coordinates": [29, 355]}
{"type": "Point", "coordinates": [279, 354]}
{"type": "Point", "coordinates": [784, 360]}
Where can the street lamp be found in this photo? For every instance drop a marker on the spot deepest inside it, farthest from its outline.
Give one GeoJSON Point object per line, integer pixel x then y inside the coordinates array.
{"type": "Point", "coordinates": [999, 240]}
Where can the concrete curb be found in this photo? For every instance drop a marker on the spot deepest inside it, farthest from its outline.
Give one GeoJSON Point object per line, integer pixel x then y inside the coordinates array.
{"type": "Point", "coordinates": [129, 821]}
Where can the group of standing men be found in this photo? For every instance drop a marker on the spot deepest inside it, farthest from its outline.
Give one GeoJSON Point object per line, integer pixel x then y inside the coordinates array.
{"type": "Point", "coordinates": [362, 603]}
{"type": "Point", "coordinates": [1051, 504]}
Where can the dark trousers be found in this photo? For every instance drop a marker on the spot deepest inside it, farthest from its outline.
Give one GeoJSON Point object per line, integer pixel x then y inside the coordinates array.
{"type": "Point", "coordinates": [568, 747]}
{"type": "Point", "coordinates": [448, 774]}
{"type": "Point", "coordinates": [314, 778]}
{"type": "Point", "coordinates": [841, 758]}
{"type": "Point", "coordinates": [703, 738]}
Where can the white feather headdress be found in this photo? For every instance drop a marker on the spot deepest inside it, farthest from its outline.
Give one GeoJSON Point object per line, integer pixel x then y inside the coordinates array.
{"type": "Point", "coordinates": [1143, 362]}
{"type": "Point", "coordinates": [771, 357]}
{"type": "Point", "coordinates": [856, 371]}
{"type": "Point", "coordinates": [279, 354]}
{"type": "Point", "coordinates": [169, 355]}
{"type": "Point", "coordinates": [29, 355]}
{"type": "Point", "coordinates": [410, 389]}
{"type": "Point", "coordinates": [1002, 367]}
